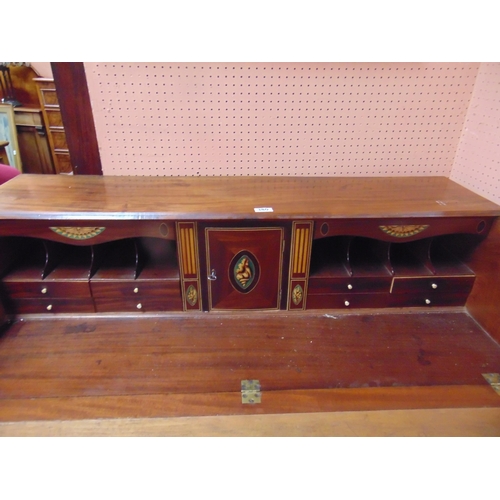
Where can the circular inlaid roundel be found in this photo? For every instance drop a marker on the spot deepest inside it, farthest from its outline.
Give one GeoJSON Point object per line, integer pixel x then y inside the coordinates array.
{"type": "Point", "coordinates": [244, 271]}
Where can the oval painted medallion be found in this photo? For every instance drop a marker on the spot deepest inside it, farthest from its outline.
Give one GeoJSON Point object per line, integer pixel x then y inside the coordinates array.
{"type": "Point", "coordinates": [191, 295]}
{"type": "Point", "coordinates": [244, 271]}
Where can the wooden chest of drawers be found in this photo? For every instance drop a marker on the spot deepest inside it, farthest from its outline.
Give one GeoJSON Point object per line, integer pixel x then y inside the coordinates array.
{"type": "Point", "coordinates": [52, 115]}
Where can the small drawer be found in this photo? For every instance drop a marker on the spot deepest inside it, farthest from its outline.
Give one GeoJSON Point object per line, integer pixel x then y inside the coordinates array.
{"type": "Point", "coordinates": [59, 138]}
{"type": "Point", "coordinates": [49, 97]}
{"type": "Point", "coordinates": [28, 119]}
{"type": "Point", "coordinates": [317, 286]}
{"type": "Point", "coordinates": [428, 299]}
{"type": "Point", "coordinates": [48, 306]}
{"type": "Point", "coordinates": [140, 305]}
{"type": "Point", "coordinates": [347, 301]}
{"type": "Point", "coordinates": [134, 289]}
{"type": "Point", "coordinates": [47, 289]}
{"type": "Point", "coordinates": [54, 118]}
{"type": "Point", "coordinates": [433, 285]}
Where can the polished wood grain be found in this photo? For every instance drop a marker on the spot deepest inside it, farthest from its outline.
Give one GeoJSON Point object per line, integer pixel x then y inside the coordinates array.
{"type": "Point", "coordinates": [222, 198]}
{"type": "Point", "coordinates": [76, 111]}
{"type": "Point", "coordinates": [23, 84]}
{"type": "Point", "coordinates": [200, 353]}
{"type": "Point", "coordinates": [113, 230]}
{"type": "Point", "coordinates": [484, 299]}
{"type": "Point", "coordinates": [174, 405]}
{"type": "Point", "coordinates": [462, 422]}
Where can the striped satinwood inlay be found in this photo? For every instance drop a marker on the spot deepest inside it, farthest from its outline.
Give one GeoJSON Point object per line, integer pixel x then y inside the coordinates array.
{"type": "Point", "coordinates": [301, 250]}
{"type": "Point", "coordinates": [188, 251]}
{"type": "Point", "coordinates": [299, 264]}
{"type": "Point", "coordinates": [188, 258]}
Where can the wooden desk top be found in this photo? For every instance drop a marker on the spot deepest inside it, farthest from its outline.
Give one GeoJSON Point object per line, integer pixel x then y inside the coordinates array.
{"type": "Point", "coordinates": [39, 197]}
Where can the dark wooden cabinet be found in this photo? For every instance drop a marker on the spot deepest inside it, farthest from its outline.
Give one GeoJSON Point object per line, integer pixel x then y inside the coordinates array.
{"type": "Point", "coordinates": [244, 268]}
{"type": "Point", "coordinates": [33, 141]}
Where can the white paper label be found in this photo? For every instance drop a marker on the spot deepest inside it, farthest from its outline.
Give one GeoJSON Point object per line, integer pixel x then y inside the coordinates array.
{"type": "Point", "coordinates": [263, 209]}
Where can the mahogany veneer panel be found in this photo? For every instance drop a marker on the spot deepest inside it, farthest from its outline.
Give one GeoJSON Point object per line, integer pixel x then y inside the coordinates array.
{"type": "Point", "coordinates": [229, 403]}
{"type": "Point", "coordinates": [459, 422]}
{"type": "Point", "coordinates": [484, 300]}
{"type": "Point", "coordinates": [209, 353]}
{"type": "Point", "coordinates": [210, 198]}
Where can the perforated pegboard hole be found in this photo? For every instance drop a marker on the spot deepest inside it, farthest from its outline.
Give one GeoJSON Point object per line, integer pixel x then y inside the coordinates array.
{"type": "Point", "coordinates": [279, 119]}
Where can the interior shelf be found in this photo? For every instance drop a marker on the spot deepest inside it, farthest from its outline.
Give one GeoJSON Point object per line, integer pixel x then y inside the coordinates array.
{"type": "Point", "coordinates": [343, 256]}
{"type": "Point", "coordinates": [136, 258]}
{"type": "Point", "coordinates": [329, 257]}
{"type": "Point", "coordinates": [427, 257]}
{"type": "Point", "coordinates": [346, 256]}
{"type": "Point", "coordinates": [32, 259]}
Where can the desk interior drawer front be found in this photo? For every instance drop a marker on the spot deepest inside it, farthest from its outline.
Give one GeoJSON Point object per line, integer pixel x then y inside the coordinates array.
{"type": "Point", "coordinates": [347, 301]}
{"type": "Point", "coordinates": [132, 289]}
{"type": "Point", "coordinates": [433, 285]}
{"type": "Point", "coordinates": [47, 289]}
{"type": "Point", "coordinates": [28, 118]}
{"type": "Point", "coordinates": [317, 286]}
{"type": "Point", "coordinates": [51, 306]}
{"type": "Point", "coordinates": [167, 302]}
{"type": "Point", "coordinates": [428, 299]}
{"type": "Point", "coordinates": [136, 295]}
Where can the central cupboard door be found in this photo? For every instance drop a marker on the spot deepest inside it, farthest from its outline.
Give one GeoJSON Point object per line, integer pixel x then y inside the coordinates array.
{"type": "Point", "coordinates": [244, 268]}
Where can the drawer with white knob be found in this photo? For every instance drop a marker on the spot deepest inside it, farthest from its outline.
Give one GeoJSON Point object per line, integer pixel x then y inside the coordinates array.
{"type": "Point", "coordinates": [51, 306]}
{"type": "Point", "coordinates": [433, 285]}
{"type": "Point", "coordinates": [137, 295]}
{"type": "Point", "coordinates": [133, 289]}
{"type": "Point", "coordinates": [428, 300]}
{"type": "Point", "coordinates": [348, 301]}
{"type": "Point", "coordinates": [353, 284]}
{"type": "Point", "coordinates": [46, 289]}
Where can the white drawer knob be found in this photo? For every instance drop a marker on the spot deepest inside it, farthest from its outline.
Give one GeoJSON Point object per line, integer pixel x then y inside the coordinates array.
{"type": "Point", "coordinates": [346, 303]}
{"type": "Point", "coordinates": [349, 286]}
{"type": "Point", "coordinates": [49, 307]}
{"type": "Point", "coordinates": [136, 290]}
{"type": "Point", "coordinates": [44, 290]}
{"type": "Point", "coordinates": [139, 306]}
{"type": "Point", "coordinates": [427, 301]}
{"type": "Point", "coordinates": [434, 286]}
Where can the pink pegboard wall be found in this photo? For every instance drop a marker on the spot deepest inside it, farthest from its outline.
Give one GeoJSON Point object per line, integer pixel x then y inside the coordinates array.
{"type": "Point", "coordinates": [477, 162]}
{"type": "Point", "coordinates": [328, 119]}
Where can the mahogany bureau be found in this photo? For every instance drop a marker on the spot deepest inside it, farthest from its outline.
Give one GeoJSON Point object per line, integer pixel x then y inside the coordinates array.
{"type": "Point", "coordinates": [167, 292]}
{"type": "Point", "coordinates": [92, 244]}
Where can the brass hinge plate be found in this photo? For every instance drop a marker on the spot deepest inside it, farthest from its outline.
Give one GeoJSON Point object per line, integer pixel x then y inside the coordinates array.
{"type": "Point", "coordinates": [494, 380]}
{"type": "Point", "coordinates": [250, 392]}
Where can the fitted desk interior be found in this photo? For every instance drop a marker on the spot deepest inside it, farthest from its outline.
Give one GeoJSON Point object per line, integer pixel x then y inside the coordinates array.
{"type": "Point", "coordinates": [153, 296]}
